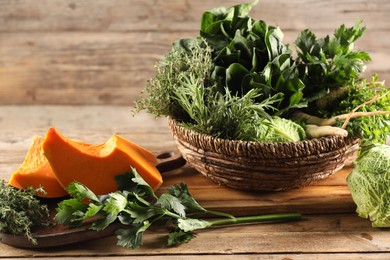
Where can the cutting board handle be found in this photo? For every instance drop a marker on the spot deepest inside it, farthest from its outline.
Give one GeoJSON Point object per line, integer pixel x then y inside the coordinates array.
{"type": "Point", "coordinates": [169, 161]}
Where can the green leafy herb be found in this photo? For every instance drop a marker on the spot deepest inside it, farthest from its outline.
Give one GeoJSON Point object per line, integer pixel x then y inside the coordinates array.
{"type": "Point", "coordinates": [237, 78]}
{"type": "Point", "coordinates": [179, 237]}
{"type": "Point", "coordinates": [138, 207]}
{"type": "Point", "coordinates": [21, 211]}
{"type": "Point", "coordinates": [233, 117]}
{"type": "Point", "coordinates": [374, 128]}
{"type": "Point", "coordinates": [158, 98]}
{"type": "Point", "coordinates": [225, 82]}
{"type": "Point", "coordinates": [203, 107]}
{"type": "Point", "coordinates": [329, 63]}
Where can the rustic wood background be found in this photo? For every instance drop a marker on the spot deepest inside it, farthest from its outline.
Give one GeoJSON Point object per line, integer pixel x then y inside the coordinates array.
{"type": "Point", "coordinates": [103, 52]}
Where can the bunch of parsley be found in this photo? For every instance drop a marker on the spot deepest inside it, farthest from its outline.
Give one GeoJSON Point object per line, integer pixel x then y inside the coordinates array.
{"type": "Point", "coordinates": [330, 63]}
{"type": "Point", "coordinates": [371, 129]}
{"type": "Point", "coordinates": [136, 206]}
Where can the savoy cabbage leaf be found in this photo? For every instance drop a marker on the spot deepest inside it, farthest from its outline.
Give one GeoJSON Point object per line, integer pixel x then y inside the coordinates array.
{"type": "Point", "coordinates": [369, 185]}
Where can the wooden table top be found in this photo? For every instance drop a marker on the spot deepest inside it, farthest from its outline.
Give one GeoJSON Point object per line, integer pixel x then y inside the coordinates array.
{"type": "Point", "coordinates": [329, 227]}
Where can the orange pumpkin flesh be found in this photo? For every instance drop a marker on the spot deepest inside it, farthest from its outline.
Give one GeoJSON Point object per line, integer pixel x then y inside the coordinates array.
{"type": "Point", "coordinates": [36, 172]}
{"type": "Point", "coordinates": [95, 166]}
{"type": "Point", "coordinates": [144, 152]}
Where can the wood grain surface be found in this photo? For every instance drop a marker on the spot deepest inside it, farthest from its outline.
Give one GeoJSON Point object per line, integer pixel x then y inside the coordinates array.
{"type": "Point", "coordinates": [79, 66]}
{"type": "Point", "coordinates": [314, 236]}
{"type": "Point", "coordinates": [103, 52]}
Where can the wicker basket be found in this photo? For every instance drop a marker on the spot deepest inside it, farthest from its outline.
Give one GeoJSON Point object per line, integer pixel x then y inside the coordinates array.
{"type": "Point", "coordinates": [263, 166]}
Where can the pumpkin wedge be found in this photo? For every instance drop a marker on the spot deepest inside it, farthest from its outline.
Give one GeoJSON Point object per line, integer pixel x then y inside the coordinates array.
{"type": "Point", "coordinates": [95, 166]}
{"type": "Point", "coordinates": [36, 172]}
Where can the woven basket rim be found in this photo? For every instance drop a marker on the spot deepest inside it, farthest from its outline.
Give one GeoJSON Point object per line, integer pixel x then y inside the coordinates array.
{"type": "Point", "coordinates": [262, 149]}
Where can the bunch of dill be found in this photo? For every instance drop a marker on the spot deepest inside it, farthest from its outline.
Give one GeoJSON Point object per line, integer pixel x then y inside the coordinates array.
{"type": "Point", "coordinates": [158, 97]}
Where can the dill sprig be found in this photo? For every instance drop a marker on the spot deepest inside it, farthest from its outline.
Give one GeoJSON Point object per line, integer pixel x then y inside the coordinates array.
{"type": "Point", "coordinates": [223, 114]}
{"type": "Point", "coordinates": [157, 97]}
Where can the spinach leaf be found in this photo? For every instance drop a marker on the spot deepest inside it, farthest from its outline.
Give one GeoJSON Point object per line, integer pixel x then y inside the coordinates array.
{"type": "Point", "coordinates": [250, 54]}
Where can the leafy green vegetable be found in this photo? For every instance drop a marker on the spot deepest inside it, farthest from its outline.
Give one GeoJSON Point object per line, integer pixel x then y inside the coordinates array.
{"type": "Point", "coordinates": [330, 69]}
{"type": "Point", "coordinates": [249, 54]}
{"type": "Point", "coordinates": [369, 185]}
{"type": "Point", "coordinates": [203, 107]}
{"type": "Point", "coordinates": [369, 128]}
{"type": "Point", "coordinates": [138, 207]}
{"type": "Point", "coordinates": [237, 78]}
{"type": "Point", "coordinates": [158, 98]}
{"type": "Point", "coordinates": [279, 129]}
{"type": "Point", "coordinates": [329, 63]}
{"type": "Point", "coordinates": [233, 117]}
{"type": "Point", "coordinates": [21, 211]}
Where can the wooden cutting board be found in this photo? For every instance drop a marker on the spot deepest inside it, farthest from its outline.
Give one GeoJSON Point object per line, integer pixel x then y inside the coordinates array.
{"type": "Point", "coordinates": [327, 196]}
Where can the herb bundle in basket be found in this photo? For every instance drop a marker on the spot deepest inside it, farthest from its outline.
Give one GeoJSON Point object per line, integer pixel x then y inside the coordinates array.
{"type": "Point", "coordinates": [248, 113]}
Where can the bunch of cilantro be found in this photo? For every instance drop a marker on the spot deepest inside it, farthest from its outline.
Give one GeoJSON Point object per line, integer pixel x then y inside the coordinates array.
{"type": "Point", "coordinates": [136, 206]}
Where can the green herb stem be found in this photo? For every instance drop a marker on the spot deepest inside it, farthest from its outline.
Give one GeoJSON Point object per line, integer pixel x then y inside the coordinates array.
{"type": "Point", "coordinates": [221, 214]}
{"type": "Point", "coordinates": [171, 214]}
{"type": "Point", "coordinates": [261, 218]}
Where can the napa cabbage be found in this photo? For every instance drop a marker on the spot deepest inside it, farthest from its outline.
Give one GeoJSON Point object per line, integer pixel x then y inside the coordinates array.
{"type": "Point", "coordinates": [369, 184]}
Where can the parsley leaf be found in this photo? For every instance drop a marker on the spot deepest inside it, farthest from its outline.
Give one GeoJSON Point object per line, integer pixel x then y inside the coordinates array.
{"type": "Point", "coordinates": [115, 203]}
{"type": "Point", "coordinates": [330, 62]}
{"type": "Point", "coordinates": [104, 223]}
{"type": "Point", "coordinates": [137, 214]}
{"type": "Point", "coordinates": [132, 237]}
{"type": "Point", "coordinates": [169, 202]}
{"type": "Point", "coordinates": [180, 191]}
{"type": "Point", "coordinates": [81, 192]}
{"type": "Point", "coordinates": [190, 224]}
{"type": "Point", "coordinates": [178, 236]}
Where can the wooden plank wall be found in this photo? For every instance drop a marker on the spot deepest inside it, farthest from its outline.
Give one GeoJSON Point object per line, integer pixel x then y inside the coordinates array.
{"type": "Point", "coordinates": [103, 52]}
